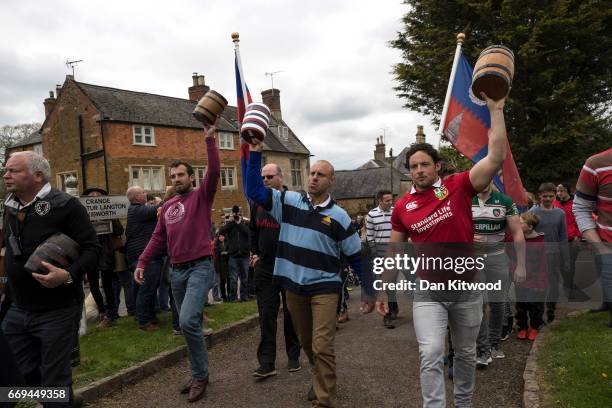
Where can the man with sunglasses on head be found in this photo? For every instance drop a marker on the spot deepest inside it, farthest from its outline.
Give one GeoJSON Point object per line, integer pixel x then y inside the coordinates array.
{"type": "Point", "coordinates": [264, 232]}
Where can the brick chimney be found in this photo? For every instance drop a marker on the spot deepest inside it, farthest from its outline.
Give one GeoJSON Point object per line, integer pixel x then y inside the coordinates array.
{"type": "Point", "coordinates": [271, 98]}
{"type": "Point", "coordinates": [420, 136]}
{"type": "Point", "coordinates": [58, 89]}
{"type": "Point", "coordinates": [49, 103]}
{"type": "Point", "coordinates": [379, 153]}
{"type": "Point", "coordinates": [198, 89]}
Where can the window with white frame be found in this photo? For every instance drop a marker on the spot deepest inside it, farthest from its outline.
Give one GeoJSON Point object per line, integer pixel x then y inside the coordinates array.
{"type": "Point", "coordinates": [144, 135]}
{"type": "Point", "coordinates": [296, 173]}
{"type": "Point", "coordinates": [283, 132]}
{"type": "Point", "coordinates": [228, 177]}
{"type": "Point", "coordinates": [226, 140]}
{"type": "Point", "coordinates": [38, 149]}
{"type": "Point", "coordinates": [199, 172]}
{"type": "Point", "coordinates": [150, 178]}
{"type": "Point", "coordinates": [68, 179]}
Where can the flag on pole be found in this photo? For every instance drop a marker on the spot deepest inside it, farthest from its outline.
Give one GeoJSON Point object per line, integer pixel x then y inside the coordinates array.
{"type": "Point", "coordinates": [243, 99]}
{"type": "Point", "coordinates": [466, 126]}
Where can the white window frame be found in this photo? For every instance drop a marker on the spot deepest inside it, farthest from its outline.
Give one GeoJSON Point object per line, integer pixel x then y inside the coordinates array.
{"type": "Point", "coordinates": [283, 132]}
{"type": "Point", "coordinates": [61, 176]}
{"type": "Point", "coordinates": [142, 135]}
{"type": "Point", "coordinates": [224, 137]}
{"type": "Point", "coordinates": [141, 167]}
{"type": "Point", "coordinates": [296, 173]}
{"type": "Point", "coordinates": [196, 171]}
{"type": "Point", "coordinates": [38, 148]}
{"type": "Point", "coordinates": [234, 176]}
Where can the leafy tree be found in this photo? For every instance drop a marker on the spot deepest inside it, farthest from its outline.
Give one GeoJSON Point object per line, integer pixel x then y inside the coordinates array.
{"type": "Point", "coordinates": [453, 161]}
{"type": "Point", "coordinates": [558, 112]}
{"type": "Point", "coordinates": [10, 135]}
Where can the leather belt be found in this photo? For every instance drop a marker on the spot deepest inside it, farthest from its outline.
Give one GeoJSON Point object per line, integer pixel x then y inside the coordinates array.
{"type": "Point", "coordinates": [187, 265]}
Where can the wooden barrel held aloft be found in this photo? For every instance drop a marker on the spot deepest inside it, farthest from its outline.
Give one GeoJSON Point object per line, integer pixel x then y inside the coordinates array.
{"type": "Point", "coordinates": [493, 72]}
{"type": "Point", "coordinates": [59, 250]}
{"type": "Point", "coordinates": [209, 107]}
{"type": "Point", "coordinates": [255, 123]}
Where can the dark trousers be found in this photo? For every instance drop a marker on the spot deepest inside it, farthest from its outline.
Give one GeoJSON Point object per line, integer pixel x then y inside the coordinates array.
{"type": "Point", "coordinates": [125, 280]}
{"type": "Point", "coordinates": [109, 293]}
{"type": "Point", "coordinates": [269, 297]}
{"type": "Point", "coordinates": [529, 314]}
{"type": "Point", "coordinates": [10, 375]}
{"type": "Point", "coordinates": [147, 293]}
{"type": "Point", "coordinates": [344, 295]}
{"type": "Point", "coordinates": [42, 343]}
{"type": "Point", "coordinates": [224, 289]}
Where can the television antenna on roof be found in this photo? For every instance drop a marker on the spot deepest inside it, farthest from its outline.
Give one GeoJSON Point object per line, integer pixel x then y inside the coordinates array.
{"type": "Point", "coordinates": [72, 64]}
{"type": "Point", "coordinates": [271, 75]}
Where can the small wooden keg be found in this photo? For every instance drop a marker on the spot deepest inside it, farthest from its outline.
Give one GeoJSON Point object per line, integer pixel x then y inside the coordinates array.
{"type": "Point", "coordinates": [255, 123]}
{"type": "Point", "coordinates": [59, 250]}
{"type": "Point", "coordinates": [493, 72]}
{"type": "Point", "coordinates": [209, 107]}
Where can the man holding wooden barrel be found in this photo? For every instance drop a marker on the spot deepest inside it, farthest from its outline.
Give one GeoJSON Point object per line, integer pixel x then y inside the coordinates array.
{"type": "Point", "coordinates": [41, 325]}
{"type": "Point", "coordinates": [416, 216]}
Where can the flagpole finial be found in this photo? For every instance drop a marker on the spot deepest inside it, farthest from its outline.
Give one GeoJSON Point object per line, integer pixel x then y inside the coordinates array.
{"type": "Point", "coordinates": [235, 37]}
{"type": "Point", "coordinates": [460, 38]}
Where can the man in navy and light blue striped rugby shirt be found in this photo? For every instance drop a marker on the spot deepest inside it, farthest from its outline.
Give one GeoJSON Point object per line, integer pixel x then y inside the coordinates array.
{"type": "Point", "coordinates": [315, 232]}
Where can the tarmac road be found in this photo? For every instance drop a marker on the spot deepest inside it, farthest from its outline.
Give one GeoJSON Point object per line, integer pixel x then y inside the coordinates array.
{"type": "Point", "coordinates": [377, 367]}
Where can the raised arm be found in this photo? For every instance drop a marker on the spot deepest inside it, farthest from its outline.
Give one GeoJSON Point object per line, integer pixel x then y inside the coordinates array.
{"type": "Point", "coordinates": [213, 169]}
{"type": "Point", "coordinates": [256, 190]}
{"type": "Point", "coordinates": [483, 172]}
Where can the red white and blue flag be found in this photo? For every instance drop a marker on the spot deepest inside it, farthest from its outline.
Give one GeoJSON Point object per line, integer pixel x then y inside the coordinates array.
{"type": "Point", "coordinates": [467, 125]}
{"type": "Point", "coordinates": [243, 99]}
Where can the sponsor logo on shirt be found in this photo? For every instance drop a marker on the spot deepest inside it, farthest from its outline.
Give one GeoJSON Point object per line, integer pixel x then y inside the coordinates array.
{"type": "Point", "coordinates": [326, 220]}
{"type": "Point", "coordinates": [496, 212]}
{"type": "Point", "coordinates": [411, 206]}
{"type": "Point", "coordinates": [430, 221]}
{"type": "Point", "coordinates": [175, 213]}
{"type": "Point", "coordinates": [441, 193]}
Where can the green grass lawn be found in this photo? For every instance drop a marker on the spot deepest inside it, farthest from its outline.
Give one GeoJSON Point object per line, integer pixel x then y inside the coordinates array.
{"type": "Point", "coordinates": [576, 359]}
{"type": "Point", "coordinates": [106, 351]}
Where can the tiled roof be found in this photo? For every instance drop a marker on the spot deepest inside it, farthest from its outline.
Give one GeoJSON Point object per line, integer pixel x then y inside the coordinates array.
{"type": "Point", "coordinates": [140, 107]}
{"type": "Point", "coordinates": [365, 182]}
{"type": "Point", "coordinates": [31, 139]}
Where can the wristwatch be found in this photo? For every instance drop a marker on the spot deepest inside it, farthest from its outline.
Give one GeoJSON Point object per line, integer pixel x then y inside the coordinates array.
{"type": "Point", "coordinates": [69, 281]}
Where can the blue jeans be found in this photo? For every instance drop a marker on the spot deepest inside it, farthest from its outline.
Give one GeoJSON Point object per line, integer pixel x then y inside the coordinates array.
{"type": "Point", "coordinates": [238, 269]}
{"type": "Point", "coordinates": [216, 288]}
{"type": "Point", "coordinates": [147, 293]}
{"type": "Point", "coordinates": [162, 293]}
{"type": "Point", "coordinates": [605, 272]}
{"type": "Point", "coordinates": [190, 288]}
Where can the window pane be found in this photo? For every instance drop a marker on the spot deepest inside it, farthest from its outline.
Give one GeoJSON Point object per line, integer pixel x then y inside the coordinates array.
{"type": "Point", "coordinates": [138, 139]}
{"type": "Point", "coordinates": [147, 131]}
{"type": "Point", "coordinates": [223, 178]}
{"type": "Point", "coordinates": [134, 173]}
{"type": "Point", "coordinates": [148, 140]}
{"type": "Point", "coordinates": [137, 130]}
{"type": "Point", "coordinates": [230, 176]}
{"type": "Point", "coordinates": [156, 180]}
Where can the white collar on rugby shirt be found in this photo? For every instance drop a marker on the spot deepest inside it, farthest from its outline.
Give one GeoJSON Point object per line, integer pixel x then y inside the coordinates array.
{"type": "Point", "coordinates": [438, 183]}
{"type": "Point", "coordinates": [323, 204]}
{"type": "Point", "coordinates": [11, 200]}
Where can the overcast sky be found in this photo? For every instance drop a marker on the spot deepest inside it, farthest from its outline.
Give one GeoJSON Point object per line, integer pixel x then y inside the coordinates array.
{"type": "Point", "coordinates": [336, 86]}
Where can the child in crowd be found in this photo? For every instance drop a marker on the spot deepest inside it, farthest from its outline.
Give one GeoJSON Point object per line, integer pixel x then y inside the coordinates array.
{"type": "Point", "coordinates": [531, 293]}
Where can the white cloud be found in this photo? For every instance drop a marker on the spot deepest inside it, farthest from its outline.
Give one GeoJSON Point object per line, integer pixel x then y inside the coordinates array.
{"type": "Point", "coordinates": [336, 86]}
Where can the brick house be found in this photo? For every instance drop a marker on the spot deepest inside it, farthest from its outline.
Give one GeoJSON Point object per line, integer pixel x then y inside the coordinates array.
{"type": "Point", "coordinates": [113, 138]}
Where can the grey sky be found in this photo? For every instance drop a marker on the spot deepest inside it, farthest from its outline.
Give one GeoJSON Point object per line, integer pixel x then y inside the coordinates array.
{"type": "Point", "coordinates": [336, 88]}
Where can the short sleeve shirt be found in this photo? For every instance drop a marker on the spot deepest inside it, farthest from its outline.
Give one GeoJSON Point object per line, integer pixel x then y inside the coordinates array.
{"type": "Point", "coordinates": [442, 213]}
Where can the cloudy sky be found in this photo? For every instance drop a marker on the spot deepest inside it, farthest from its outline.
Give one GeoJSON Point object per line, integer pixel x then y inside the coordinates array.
{"type": "Point", "coordinates": [336, 87]}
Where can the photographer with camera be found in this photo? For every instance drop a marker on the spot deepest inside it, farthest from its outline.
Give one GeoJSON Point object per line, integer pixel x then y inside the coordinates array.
{"type": "Point", "coordinates": [237, 234]}
{"type": "Point", "coordinates": [42, 323]}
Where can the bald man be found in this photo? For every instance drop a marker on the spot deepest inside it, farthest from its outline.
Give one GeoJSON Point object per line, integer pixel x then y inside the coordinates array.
{"type": "Point", "coordinates": [314, 233]}
{"type": "Point", "coordinates": [263, 235]}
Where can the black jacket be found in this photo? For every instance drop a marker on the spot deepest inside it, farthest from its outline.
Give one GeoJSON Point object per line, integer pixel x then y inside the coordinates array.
{"type": "Point", "coordinates": [141, 222]}
{"type": "Point", "coordinates": [237, 238]}
{"type": "Point", "coordinates": [263, 234]}
{"type": "Point", "coordinates": [106, 261]}
{"type": "Point", "coordinates": [55, 212]}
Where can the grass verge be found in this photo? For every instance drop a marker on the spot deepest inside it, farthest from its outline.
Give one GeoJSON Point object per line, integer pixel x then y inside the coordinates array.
{"type": "Point", "coordinates": [106, 351]}
{"type": "Point", "coordinates": [576, 361]}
